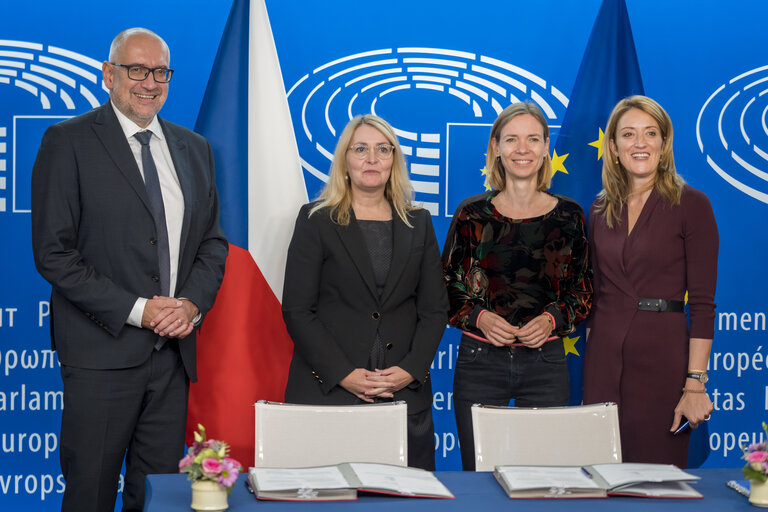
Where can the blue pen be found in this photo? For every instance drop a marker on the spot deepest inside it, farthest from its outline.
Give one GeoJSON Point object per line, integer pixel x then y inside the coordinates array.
{"type": "Point", "coordinates": [682, 427]}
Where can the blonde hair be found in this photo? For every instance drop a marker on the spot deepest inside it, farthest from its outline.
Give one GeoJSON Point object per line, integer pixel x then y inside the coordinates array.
{"type": "Point", "coordinates": [495, 176]}
{"type": "Point", "coordinates": [616, 186]}
{"type": "Point", "coordinates": [337, 193]}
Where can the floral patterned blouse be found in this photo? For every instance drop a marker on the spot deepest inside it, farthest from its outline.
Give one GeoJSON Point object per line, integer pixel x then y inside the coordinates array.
{"type": "Point", "coordinates": [517, 268]}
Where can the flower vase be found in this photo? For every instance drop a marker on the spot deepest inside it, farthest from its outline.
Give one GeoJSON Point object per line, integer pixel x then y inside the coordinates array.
{"type": "Point", "coordinates": [758, 493]}
{"type": "Point", "coordinates": [209, 496]}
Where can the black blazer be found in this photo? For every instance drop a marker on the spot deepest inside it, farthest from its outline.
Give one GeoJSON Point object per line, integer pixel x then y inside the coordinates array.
{"type": "Point", "coordinates": [93, 232]}
{"type": "Point", "coordinates": [332, 309]}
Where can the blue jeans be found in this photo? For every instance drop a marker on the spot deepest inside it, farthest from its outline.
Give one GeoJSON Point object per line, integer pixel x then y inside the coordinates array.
{"type": "Point", "coordinates": [490, 375]}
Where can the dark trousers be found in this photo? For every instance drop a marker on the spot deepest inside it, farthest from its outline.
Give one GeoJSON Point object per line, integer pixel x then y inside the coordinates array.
{"type": "Point", "coordinates": [491, 375]}
{"type": "Point", "coordinates": [139, 413]}
{"type": "Point", "coordinates": [421, 437]}
{"type": "Point", "coordinates": [421, 440]}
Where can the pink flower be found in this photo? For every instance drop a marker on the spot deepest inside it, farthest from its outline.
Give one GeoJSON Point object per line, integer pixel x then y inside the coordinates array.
{"type": "Point", "coordinates": [230, 462]}
{"type": "Point", "coordinates": [211, 468]}
{"type": "Point", "coordinates": [757, 456]}
{"type": "Point", "coordinates": [228, 477]}
{"type": "Point", "coordinates": [231, 468]}
{"type": "Point", "coordinates": [186, 461]}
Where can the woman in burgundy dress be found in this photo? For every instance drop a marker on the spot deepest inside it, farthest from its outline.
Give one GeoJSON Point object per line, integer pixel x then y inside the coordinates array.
{"type": "Point", "coordinates": [652, 240]}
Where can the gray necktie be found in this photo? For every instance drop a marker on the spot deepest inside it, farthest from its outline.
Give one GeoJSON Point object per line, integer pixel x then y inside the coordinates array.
{"type": "Point", "coordinates": [154, 193]}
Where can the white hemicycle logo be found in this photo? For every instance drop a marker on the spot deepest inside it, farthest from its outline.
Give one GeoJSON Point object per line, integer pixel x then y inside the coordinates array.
{"type": "Point", "coordinates": [40, 85]}
{"type": "Point", "coordinates": [422, 92]}
{"type": "Point", "coordinates": [732, 132]}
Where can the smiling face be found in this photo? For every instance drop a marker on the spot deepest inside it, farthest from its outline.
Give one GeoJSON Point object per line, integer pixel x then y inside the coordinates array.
{"type": "Point", "coordinates": [638, 144]}
{"type": "Point", "coordinates": [141, 100]}
{"type": "Point", "coordinates": [521, 146]}
{"type": "Point", "coordinates": [369, 174]}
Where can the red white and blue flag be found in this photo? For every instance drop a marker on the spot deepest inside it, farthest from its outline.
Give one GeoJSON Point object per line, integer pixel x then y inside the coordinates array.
{"type": "Point", "coordinates": [243, 349]}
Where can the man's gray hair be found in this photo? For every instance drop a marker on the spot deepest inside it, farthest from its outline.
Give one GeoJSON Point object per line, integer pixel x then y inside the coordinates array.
{"type": "Point", "coordinates": [119, 41]}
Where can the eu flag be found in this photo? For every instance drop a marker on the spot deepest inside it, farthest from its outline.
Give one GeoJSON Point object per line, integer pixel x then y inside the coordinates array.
{"type": "Point", "coordinates": [609, 72]}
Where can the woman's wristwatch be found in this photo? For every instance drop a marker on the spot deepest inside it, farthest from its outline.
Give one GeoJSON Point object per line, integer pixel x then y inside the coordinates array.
{"type": "Point", "coordinates": [699, 375]}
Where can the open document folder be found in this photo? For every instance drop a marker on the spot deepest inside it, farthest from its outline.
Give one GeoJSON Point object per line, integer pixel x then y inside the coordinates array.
{"type": "Point", "coordinates": [343, 481]}
{"type": "Point", "coordinates": [596, 481]}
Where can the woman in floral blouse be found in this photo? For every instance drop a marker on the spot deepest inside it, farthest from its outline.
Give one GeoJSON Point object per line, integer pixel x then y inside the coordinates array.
{"type": "Point", "coordinates": [515, 264]}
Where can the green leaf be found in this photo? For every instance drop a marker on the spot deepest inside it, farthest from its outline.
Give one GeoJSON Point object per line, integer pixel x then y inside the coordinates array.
{"type": "Point", "coordinates": [752, 474]}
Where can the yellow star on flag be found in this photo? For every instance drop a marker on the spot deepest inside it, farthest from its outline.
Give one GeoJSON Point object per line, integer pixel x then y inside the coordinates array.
{"type": "Point", "coordinates": [569, 344]}
{"type": "Point", "coordinates": [558, 163]}
{"type": "Point", "coordinates": [484, 172]}
{"type": "Point", "coordinates": [598, 144]}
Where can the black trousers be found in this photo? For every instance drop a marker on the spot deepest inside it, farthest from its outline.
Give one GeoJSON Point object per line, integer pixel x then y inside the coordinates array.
{"type": "Point", "coordinates": [137, 413]}
{"type": "Point", "coordinates": [421, 440]}
{"type": "Point", "coordinates": [490, 375]}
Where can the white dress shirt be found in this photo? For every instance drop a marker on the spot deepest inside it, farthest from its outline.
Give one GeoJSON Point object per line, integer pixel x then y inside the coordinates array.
{"type": "Point", "coordinates": [173, 198]}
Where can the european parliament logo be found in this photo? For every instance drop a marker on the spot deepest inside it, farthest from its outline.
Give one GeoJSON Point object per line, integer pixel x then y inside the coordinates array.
{"type": "Point", "coordinates": [40, 85]}
{"type": "Point", "coordinates": [441, 103]}
{"type": "Point", "coordinates": [732, 132]}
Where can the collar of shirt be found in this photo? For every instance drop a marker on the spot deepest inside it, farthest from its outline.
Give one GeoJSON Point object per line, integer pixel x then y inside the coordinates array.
{"type": "Point", "coordinates": [130, 128]}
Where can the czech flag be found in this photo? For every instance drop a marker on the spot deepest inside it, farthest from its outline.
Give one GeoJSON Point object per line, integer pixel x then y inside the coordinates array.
{"type": "Point", "coordinates": [243, 350]}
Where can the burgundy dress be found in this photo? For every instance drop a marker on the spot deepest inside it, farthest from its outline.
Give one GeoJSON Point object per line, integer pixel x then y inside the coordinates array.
{"type": "Point", "coordinates": [639, 359]}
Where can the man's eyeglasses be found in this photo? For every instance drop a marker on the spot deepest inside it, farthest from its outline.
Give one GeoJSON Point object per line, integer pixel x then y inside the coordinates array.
{"type": "Point", "coordinates": [383, 151]}
{"type": "Point", "coordinates": [162, 75]}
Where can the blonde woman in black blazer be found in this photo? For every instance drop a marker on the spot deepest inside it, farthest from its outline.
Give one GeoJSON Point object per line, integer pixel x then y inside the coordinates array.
{"type": "Point", "coordinates": [364, 300]}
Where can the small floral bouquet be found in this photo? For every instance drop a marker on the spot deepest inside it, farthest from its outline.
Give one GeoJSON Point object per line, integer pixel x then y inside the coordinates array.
{"type": "Point", "coordinates": [756, 456]}
{"type": "Point", "coordinates": [209, 460]}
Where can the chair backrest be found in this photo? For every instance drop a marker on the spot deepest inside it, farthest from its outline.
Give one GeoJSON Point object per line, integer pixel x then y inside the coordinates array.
{"type": "Point", "coordinates": [548, 436]}
{"type": "Point", "coordinates": [292, 435]}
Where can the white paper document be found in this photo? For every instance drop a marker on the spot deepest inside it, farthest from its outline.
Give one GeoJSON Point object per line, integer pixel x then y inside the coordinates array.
{"type": "Point", "coordinates": [616, 475]}
{"type": "Point", "coordinates": [342, 482]}
{"type": "Point", "coordinates": [404, 480]}
{"type": "Point", "coordinates": [272, 479]}
{"type": "Point", "coordinates": [541, 477]}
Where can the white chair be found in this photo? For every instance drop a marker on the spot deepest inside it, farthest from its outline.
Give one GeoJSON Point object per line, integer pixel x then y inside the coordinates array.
{"type": "Point", "coordinates": [547, 436]}
{"type": "Point", "coordinates": [292, 435]}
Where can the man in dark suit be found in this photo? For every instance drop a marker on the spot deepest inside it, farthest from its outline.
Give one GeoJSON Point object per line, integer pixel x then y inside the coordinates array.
{"type": "Point", "coordinates": [125, 227]}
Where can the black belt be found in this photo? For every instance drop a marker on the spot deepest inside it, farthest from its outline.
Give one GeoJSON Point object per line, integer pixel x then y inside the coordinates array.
{"type": "Point", "coordinates": [671, 306]}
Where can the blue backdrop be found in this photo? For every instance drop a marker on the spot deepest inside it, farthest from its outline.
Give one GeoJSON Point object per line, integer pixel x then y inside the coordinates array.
{"type": "Point", "coordinates": [439, 72]}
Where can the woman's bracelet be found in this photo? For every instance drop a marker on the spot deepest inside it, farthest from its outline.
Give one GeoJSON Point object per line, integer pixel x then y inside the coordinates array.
{"type": "Point", "coordinates": [552, 318]}
{"type": "Point", "coordinates": [479, 315]}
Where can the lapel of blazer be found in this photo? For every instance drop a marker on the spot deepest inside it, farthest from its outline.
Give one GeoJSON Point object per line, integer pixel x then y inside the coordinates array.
{"type": "Point", "coordinates": [402, 242]}
{"type": "Point", "coordinates": [180, 157]}
{"type": "Point", "coordinates": [646, 213]}
{"type": "Point", "coordinates": [352, 239]}
{"type": "Point", "coordinates": [629, 241]}
{"type": "Point", "coordinates": [110, 133]}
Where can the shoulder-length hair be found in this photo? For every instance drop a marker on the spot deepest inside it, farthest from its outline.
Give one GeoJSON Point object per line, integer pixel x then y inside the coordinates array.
{"type": "Point", "coordinates": [495, 176]}
{"type": "Point", "coordinates": [616, 186]}
{"type": "Point", "coordinates": [337, 193]}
